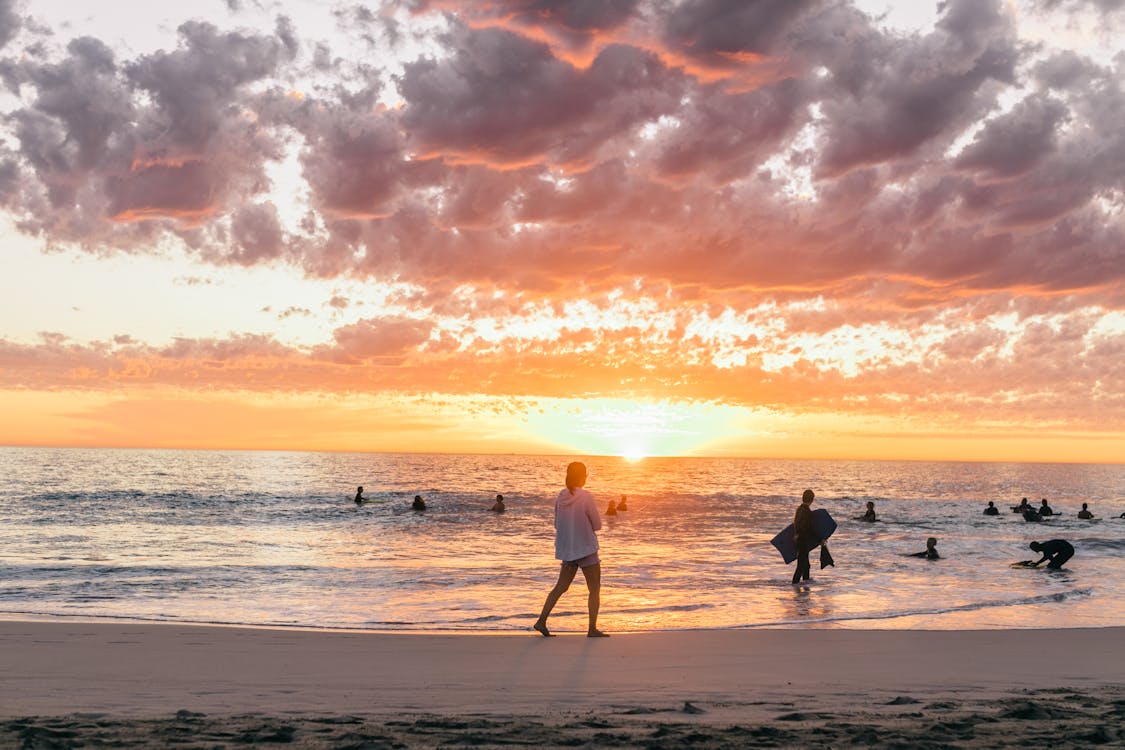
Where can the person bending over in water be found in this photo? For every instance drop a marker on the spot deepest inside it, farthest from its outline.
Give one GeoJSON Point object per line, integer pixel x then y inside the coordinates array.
{"type": "Point", "coordinates": [498, 506]}
{"type": "Point", "coordinates": [1022, 507]}
{"type": "Point", "coordinates": [622, 504]}
{"type": "Point", "coordinates": [1085, 514]}
{"type": "Point", "coordinates": [991, 510]}
{"type": "Point", "coordinates": [1057, 551]}
{"type": "Point", "coordinates": [359, 498]}
{"type": "Point", "coordinates": [1045, 510]}
{"type": "Point", "coordinates": [576, 545]}
{"type": "Point", "coordinates": [418, 504]}
{"type": "Point", "coordinates": [869, 516]}
{"type": "Point", "coordinates": [930, 553]}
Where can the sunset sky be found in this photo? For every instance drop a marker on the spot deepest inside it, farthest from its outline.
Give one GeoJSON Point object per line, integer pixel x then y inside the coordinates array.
{"type": "Point", "coordinates": [805, 228]}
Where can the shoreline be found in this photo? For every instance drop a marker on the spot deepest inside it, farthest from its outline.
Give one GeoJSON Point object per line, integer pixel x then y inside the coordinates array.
{"type": "Point", "coordinates": [74, 683]}
{"type": "Point", "coordinates": [802, 625]}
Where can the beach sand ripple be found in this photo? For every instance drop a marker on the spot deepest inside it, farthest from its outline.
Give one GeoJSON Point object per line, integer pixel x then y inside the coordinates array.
{"type": "Point", "coordinates": [1056, 719]}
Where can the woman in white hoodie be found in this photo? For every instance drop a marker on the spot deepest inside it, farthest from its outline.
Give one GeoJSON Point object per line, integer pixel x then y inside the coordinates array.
{"type": "Point", "coordinates": [576, 545]}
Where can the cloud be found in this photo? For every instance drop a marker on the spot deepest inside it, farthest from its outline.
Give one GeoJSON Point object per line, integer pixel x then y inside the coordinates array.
{"type": "Point", "coordinates": [578, 198]}
{"type": "Point", "coordinates": [10, 22]}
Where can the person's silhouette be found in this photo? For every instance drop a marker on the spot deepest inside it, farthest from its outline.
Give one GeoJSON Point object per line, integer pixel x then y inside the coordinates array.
{"type": "Point", "coordinates": [576, 546]}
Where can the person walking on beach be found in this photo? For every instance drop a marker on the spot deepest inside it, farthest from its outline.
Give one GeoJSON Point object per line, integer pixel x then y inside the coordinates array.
{"type": "Point", "coordinates": [804, 537]}
{"type": "Point", "coordinates": [1057, 551]}
{"type": "Point", "coordinates": [576, 545]}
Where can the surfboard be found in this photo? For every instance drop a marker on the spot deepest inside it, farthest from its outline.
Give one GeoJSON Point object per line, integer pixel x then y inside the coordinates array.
{"type": "Point", "coordinates": [823, 525]}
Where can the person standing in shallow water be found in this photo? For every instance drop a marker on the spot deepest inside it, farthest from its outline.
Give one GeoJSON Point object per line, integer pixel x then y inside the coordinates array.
{"type": "Point", "coordinates": [576, 545]}
{"type": "Point", "coordinates": [805, 538]}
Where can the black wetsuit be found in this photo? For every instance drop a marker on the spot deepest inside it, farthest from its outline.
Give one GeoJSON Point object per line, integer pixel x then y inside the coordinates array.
{"type": "Point", "coordinates": [929, 554]}
{"type": "Point", "coordinates": [1058, 551]}
{"type": "Point", "coordinates": [992, 510]}
{"type": "Point", "coordinates": [805, 540]}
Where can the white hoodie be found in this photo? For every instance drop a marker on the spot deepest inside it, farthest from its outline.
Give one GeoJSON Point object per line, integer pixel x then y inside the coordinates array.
{"type": "Point", "coordinates": [576, 520]}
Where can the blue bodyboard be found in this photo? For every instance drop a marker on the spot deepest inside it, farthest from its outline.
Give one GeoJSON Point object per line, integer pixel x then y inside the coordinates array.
{"type": "Point", "coordinates": [822, 524]}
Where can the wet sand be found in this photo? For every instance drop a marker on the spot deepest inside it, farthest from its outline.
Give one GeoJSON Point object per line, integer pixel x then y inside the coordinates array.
{"type": "Point", "coordinates": [68, 684]}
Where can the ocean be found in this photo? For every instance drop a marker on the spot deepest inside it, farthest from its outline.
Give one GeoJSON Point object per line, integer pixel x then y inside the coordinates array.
{"type": "Point", "coordinates": [274, 539]}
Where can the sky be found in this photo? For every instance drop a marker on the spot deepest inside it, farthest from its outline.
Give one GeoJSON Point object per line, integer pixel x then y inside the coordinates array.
{"type": "Point", "coordinates": [777, 228]}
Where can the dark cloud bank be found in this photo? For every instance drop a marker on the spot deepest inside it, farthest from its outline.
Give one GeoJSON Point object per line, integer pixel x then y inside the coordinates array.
{"type": "Point", "coordinates": [507, 164]}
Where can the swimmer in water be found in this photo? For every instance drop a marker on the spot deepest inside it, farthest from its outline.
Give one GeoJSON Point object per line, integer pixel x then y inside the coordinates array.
{"type": "Point", "coordinates": [418, 504]}
{"type": "Point", "coordinates": [622, 504]}
{"type": "Point", "coordinates": [869, 516]}
{"type": "Point", "coordinates": [359, 498]}
{"type": "Point", "coordinates": [1045, 510]}
{"type": "Point", "coordinates": [611, 509]}
{"type": "Point", "coordinates": [930, 553]}
{"type": "Point", "coordinates": [991, 510]}
{"type": "Point", "coordinates": [1085, 513]}
{"type": "Point", "coordinates": [498, 506]}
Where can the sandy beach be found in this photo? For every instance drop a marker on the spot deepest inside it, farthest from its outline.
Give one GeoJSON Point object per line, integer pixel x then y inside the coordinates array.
{"type": "Point", "coordinates": [64, 684]}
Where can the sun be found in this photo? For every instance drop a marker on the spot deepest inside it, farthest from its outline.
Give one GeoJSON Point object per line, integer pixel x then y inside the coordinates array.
{"type": "Point", "coordinates": [633, 454]}
{"type": "Point", "coordinates": [633, 430]}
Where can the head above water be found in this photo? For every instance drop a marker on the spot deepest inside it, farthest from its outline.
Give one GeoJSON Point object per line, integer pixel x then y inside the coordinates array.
{"type": "Point", "coordinates": [1083, 506]}
{"type": "Point", "coordinates": [931, 542]}
{"type": "Point", "coordinates": [989, 503]}
{"type": "Point", "coordinates": [499, 498]}
{"type": "Point", "coordinates": [808, 497]}
{"type": "Point", "coordinates": [870, 504]}
{"type": "Point", "coordinates": [575, 475]}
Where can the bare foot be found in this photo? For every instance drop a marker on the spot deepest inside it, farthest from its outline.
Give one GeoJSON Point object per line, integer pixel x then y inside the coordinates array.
{"type": "Point", "coordinates": [542, 628]}
{"type": "Point", "coordinates": [597, 634]}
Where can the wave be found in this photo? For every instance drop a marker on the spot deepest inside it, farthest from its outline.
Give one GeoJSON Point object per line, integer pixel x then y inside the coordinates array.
{"type": "Point", "coordinates": [474, 625]}
{"type": "Point", "coordinates": [1058, 597]}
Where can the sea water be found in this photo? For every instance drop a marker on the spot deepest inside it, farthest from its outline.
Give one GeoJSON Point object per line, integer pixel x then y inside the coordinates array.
{"type": "Point", "coordinates": [274, 538]}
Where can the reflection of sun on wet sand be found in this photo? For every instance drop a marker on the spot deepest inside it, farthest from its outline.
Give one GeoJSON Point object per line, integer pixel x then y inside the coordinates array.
{"type": "Point", "coordinates": [149, 684]}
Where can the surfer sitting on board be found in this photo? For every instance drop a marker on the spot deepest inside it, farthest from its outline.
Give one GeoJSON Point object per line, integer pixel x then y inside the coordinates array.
{"type": "Point", "coordinates": [1085, 513]}
{"type": "Point", "coordinates": [930, 553]}
{"type": "Point", "coordinates": [1045, 510]}
{"type": "Point", "coordinates": [869, 516]}
{"type": "Point", "coordinates": [359, 498]}
{"type": "Point", "coordinates": [991, 510]}
{"type": "Point", "coordinates": [1058, 551]}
